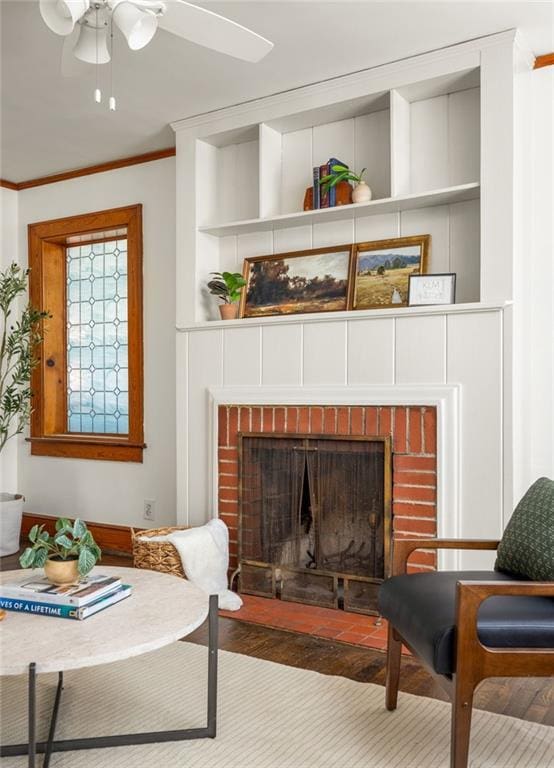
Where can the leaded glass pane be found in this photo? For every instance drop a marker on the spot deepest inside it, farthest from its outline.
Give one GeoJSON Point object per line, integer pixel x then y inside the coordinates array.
{"type": "Point", "coordinates": [97, 338]}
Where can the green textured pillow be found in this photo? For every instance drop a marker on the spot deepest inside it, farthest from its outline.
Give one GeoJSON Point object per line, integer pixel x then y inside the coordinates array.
{"type": "Point", "coordinates": [527, 546]}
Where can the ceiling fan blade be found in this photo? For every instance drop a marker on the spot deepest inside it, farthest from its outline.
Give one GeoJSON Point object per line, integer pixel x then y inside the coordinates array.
{"type": "Point", "coordinates": [213, 31]}
{"type": "Point", "coordinates": [70, 65]}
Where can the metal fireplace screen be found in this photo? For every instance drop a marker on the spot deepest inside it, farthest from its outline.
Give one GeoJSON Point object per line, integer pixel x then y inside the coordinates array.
{"type": "Point", "coordinates": [315, 518]}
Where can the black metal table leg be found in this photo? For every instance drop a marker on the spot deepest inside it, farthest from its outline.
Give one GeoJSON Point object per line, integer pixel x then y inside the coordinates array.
{"type": "Point", "coordinates": [32, 714]}
{"type": "Point", "coordinates": [32, 748]}
{"type": "Point", "coordinates": [213, 627]}
{"type": "Point", "coordinates": [53, 721]}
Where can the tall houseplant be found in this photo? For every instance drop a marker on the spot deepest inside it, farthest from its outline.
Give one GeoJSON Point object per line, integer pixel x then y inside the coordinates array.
{"type": "Point", "coordinates": [19, 337]}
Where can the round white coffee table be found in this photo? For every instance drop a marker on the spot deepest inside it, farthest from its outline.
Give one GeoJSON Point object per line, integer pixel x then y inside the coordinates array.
{"type": "Point", "coordinates": [161, 610]}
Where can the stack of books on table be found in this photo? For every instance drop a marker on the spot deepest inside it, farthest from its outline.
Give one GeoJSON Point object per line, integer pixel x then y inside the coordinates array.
{"type": "Point", "coordinates": [79, 601]}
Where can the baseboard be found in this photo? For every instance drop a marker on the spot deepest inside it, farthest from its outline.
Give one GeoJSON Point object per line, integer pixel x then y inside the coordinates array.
{"type": "Point", "coordinates": [114, 539]}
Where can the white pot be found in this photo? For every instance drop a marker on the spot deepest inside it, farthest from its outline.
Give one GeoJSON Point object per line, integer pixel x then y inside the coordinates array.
{"type": "Point", "coordinates": [361, 193]}
{"type": "Point", "coordinates": [11, 512]}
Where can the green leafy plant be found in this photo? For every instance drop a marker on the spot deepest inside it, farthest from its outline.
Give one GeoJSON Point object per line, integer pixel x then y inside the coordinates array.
{"type": "Point", "coordinates": [70, 541]}
{"type": "Point", "coordinates": [18, 342]}
{"type": "Point", "coordinates": [341, 173]}
{"type": "Point", "coordinates": [226, 286]}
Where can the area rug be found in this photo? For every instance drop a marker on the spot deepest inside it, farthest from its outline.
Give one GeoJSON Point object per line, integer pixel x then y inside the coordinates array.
{"type": "Point", "coordinates": [270, 716]}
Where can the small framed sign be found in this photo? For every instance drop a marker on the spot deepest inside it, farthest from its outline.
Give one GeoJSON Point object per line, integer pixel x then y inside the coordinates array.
{"type": "Point", "coordinates": [424, 290]}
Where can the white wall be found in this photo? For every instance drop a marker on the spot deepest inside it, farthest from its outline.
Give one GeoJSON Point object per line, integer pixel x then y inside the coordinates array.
{"type": "Point", "coordinates": [114, 492]}
{"type": "Point", "coordinates": [8, 253]}
{"type": "Point", "coordinates": [534, 282]}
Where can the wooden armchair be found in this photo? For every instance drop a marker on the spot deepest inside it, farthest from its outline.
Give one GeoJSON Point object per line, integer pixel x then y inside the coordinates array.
{"type": "Point", "coordinates": [465, 626]}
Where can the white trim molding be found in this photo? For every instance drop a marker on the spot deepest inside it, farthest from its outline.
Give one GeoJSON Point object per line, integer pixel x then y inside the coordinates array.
{"type": "Point", "coordinates": [445, 398]}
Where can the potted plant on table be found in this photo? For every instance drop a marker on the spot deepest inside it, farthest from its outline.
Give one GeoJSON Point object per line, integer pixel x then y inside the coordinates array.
{"type": "Point", "coordinates": [18, 341]}
{"type": "Point", "coordinates": [361, 192]}
{"type": "Point", "coordinates": [227, 287]}
{"type": "Point", "coordinates": [66, 556]}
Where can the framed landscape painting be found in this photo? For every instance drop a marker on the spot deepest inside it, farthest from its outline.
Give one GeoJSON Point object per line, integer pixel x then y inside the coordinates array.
{"type": "Point", "coordinates": [380, 271]}
{"type": "Point", "coordinates": [298, 282]}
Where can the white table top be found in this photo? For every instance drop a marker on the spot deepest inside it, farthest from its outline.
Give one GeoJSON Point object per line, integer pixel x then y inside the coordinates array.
{"type": "Point", "coordinates": [160, 610]}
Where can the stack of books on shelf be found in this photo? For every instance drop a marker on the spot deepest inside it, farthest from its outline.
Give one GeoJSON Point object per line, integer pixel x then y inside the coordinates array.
{"type": "Point", "coordinates": [323, 197]}
{"type": "Point", "coordinates": [79, 601]}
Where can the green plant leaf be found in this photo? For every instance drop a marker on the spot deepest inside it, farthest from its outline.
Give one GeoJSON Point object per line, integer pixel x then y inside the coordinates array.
{"type": "Point", "coordinates": [339, 168]}
{"type": "Point", "coordinates": [27, 558]}
{"type": "Point", "coordinates": [44, 536]}
{"type": "Point", "coordinates": [63, 523]}
{"type": "Point", "coordinates": [86, 562]}
{"type": "Point", "coordinates": [41, 556]}
{"type": "Point", "coordinates": [34, 533]}
{"type": "Point", "coordinates": [79, 529]}
{"type": "Point", "coordinates": [63, 541]}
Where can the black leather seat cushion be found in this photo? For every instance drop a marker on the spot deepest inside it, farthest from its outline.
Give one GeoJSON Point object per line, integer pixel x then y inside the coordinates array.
{"type": "Point", "coordinates": [421, 606]}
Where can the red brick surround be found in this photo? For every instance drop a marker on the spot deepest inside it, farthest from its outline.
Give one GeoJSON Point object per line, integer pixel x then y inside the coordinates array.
{"type": "Point", "coordinates": [414, 438]}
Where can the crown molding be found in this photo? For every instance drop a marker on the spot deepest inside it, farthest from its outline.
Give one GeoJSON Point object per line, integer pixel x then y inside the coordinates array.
{"type": "Point", "coordinates": [111, 165]}
{"type": "Point", "coordinates": [247, 110]}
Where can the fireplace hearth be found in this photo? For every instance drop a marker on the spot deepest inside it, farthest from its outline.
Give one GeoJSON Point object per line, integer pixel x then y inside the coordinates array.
{"type": "Point", "coordinates": [315, 518]}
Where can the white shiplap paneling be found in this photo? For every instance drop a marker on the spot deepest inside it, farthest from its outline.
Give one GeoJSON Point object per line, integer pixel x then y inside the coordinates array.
{"type": "Point", "coordinates": [371, 352]}
{"type": "Point", "coordinates": [434, 222]}
{"type": "Point", "coordinates": [475, 360]}
{"type": "Point", "coordinates": [372, 150]}
{"type": "Point", "coordinates": [325, 353]}
{"type": "Point", "coordinates": [282, 355]}
{"type": "Point", "coordinates": [464, 136]}
{"type": "Point", "coordinates": [420, 350]}
{"type": "Point", "coordinates": [464, 249]}
{"type": "Point", "coordinates": [429, 144]}
{"type": "Point", "coordinates": [205, 364]}
{"type": "Point", "coordinates": [296, 169]}
{"type": "Point", "coordinates": [242, 356]}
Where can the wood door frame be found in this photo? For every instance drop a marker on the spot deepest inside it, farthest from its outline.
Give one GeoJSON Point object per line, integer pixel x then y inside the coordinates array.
{"type": "Point", "coordinates": [49, 377]}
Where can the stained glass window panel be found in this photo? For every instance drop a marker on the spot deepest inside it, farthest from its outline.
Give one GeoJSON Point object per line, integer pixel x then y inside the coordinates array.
{"type": "Point", "coordinates": [97, 338]}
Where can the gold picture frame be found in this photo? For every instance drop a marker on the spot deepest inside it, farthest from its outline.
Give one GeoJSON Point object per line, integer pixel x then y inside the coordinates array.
{"type": "Point", "coordinates": [380, 271]}
{"type": "Point", "coordinates": [298, 282]}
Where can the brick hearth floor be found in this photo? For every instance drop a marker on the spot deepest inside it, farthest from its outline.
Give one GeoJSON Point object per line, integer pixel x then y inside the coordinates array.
{"type": "Point", "coordinates": [344, 627]}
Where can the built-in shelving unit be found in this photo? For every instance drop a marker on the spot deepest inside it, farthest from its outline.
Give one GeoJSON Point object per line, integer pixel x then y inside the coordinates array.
{"type": "Point", "coordinates": [418, 133]}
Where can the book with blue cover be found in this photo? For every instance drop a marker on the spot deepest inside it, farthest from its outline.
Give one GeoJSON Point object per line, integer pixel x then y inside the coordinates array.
{"type": "Point", "coordinates": [65, 611]}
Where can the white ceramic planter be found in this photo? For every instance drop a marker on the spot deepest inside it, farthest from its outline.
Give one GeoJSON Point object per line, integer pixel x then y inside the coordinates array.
{"type": "Point", "coordinates": [11, 512]}
{"type": "Point", "coordinates": [361, 193]}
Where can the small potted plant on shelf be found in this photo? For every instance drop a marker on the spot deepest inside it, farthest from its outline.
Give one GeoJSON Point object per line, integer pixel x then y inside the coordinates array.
{"type": "Point", "coordinates": [19, 338]}
{"type": "Point", "coordinates": [66, 556]}
{"type": "Point", "coordinates": [361, 192]}
{"type": "Point", "coordinates": [227, 287]}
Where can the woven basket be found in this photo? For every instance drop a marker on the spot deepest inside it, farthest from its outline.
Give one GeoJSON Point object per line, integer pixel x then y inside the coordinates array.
{"type": "Point", "coordinates": [156, 555]}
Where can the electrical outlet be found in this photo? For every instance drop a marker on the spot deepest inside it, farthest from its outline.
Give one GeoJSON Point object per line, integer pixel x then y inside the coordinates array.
{"type": "Point", "coordinates": [149, 509]}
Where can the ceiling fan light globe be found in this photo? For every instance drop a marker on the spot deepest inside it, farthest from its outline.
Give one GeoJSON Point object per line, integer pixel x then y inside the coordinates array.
{"type": "Point", "coordinates": [86, 46]}
{"type": "Point", "coordinates": [137, 25]}
{"type": "Point", "coordinates": [61, 15]}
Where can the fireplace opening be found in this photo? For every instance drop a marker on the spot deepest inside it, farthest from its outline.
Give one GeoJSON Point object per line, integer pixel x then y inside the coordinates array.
{"type": "Point", "coordinates": [315, 518]}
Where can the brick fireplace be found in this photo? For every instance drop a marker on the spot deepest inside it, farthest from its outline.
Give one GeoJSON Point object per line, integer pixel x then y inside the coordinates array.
{"type": "Point", "coordinates": [413, 433]}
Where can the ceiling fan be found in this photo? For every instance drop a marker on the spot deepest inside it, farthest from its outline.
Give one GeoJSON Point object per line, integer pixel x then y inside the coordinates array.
{"type": "Point", "coordinates": [89, 23]}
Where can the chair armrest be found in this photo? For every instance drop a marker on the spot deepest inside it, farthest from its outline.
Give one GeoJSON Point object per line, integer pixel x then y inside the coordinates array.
{"type": "Point", "coordinates": [403, 548]}
{"type": "Point", "coordinates": [469, 597]}
{"type": "Point", "coordinates": [481, 590]}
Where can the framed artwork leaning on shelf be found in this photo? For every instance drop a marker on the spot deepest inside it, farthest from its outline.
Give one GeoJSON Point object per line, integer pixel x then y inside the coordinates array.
{"type": "Point", "coordinates": [297, 282]}
{"type": "Point", "coordinates": [380, 271]}
{"type": "Point", "coordinates": [428, 290]}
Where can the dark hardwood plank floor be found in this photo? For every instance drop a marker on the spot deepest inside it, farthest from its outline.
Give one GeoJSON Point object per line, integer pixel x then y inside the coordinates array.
{"type": "Point", "coordinates": [527, 698]}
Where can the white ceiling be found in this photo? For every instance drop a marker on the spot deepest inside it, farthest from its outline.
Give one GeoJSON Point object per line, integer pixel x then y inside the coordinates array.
{"type": "Point", "coordinates": [50, 123]}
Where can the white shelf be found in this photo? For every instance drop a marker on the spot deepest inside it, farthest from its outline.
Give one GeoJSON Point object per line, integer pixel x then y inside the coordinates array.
{"type": "Point", "coordinates": [446, 196]}
{"type": "Point", "coordinates": [364, 314]}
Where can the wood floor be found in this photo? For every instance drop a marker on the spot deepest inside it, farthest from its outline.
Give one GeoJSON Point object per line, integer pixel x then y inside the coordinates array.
{"type": "Point", "coordinates": [528, 698]}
